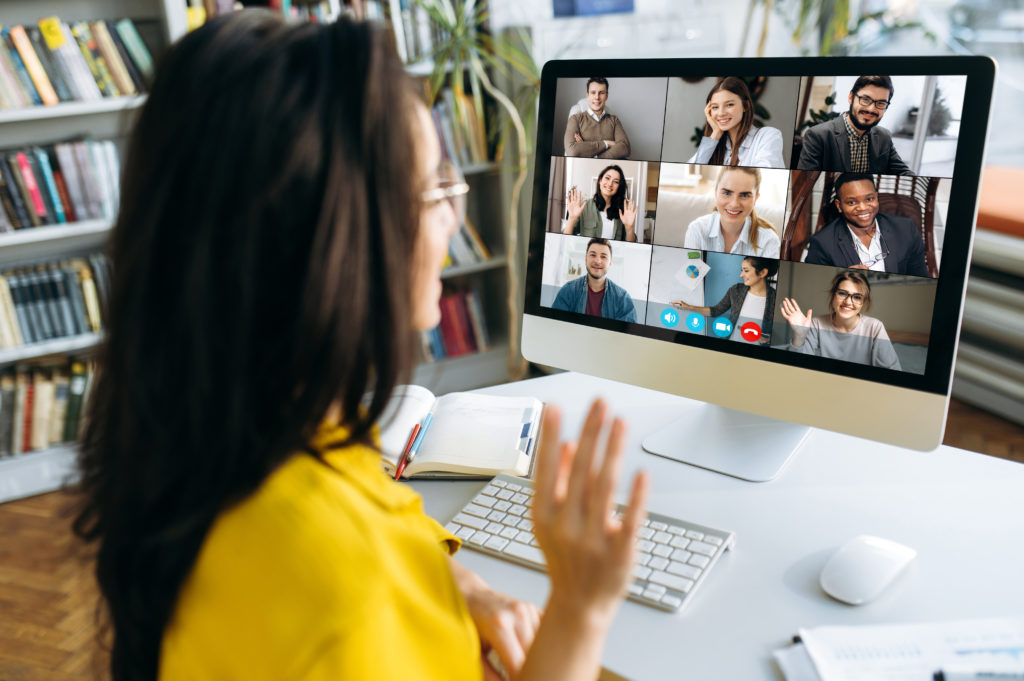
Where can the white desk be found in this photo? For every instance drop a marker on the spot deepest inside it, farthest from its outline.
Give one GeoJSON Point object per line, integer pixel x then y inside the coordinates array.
{"type": "Point", "coordinates": [963, 512]}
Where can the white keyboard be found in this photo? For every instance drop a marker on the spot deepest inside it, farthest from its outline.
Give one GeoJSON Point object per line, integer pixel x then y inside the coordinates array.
{"type": "Point", "coordinates": [673, 560]}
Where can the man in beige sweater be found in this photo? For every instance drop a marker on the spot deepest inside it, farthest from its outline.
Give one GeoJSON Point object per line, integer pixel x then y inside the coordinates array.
{"type": "Point", "coordinates": [595, 133]}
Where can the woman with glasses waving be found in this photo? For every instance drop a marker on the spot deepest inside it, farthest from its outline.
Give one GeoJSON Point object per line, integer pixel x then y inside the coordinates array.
{"type": "Point", "coordinates": [283, 222]}
{"type": "Point", "coordinates": [846, 332]}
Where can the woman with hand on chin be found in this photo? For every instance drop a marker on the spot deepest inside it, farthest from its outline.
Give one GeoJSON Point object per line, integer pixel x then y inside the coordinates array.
{"type": "Point", "coordinates": [845, 333]}
{"type": "Point", "coordinates": [753, 299]}
{"type": "Point", "coordinates": [729, 116]}
{"type": "Point", "coordinates": [734, 226]}
{"type": "Point", "coordinates": [608, 215]}
{"type": "Point", "coordinates": [231, 478]}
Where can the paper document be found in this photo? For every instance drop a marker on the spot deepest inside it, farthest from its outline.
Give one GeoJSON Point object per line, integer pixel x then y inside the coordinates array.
{"type": "Point", "coordinates": [908, 652]}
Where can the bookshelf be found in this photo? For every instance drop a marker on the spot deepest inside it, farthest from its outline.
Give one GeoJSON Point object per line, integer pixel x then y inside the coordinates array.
{"type": "Point", "coordinates": [161, 22]}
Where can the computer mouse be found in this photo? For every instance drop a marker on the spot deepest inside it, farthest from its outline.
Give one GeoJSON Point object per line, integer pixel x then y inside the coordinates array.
{"type": "Point", "coordinates": [863, 567]}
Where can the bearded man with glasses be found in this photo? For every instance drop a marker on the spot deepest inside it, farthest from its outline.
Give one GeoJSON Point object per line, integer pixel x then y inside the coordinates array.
{"type": "Point", "coordinates": [853, 141]}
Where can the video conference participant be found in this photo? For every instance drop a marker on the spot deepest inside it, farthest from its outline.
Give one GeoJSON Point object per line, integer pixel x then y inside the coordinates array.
{"type": "Point", "coordinates": [734, 226]}
{"type": "Point", "coordinates": [753, 298]}
{"type": "Point", "coordinates": [853, 141]}
{"type": "Point", "coordinates": [863, 238]}
{"type": "Point", "coordinates": [595, 133]}
{"type": "Point", "coordinates": [845, 333]}
{"type": "Point", "coordinates": [608, 215]}
{"type": "Point", "coordinates": [594, 293]}
{"type": "Point", "coordinates": [730, 125]}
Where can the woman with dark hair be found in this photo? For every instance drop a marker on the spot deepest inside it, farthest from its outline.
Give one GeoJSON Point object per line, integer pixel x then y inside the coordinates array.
{"type": "Point", "coordinates": [283, 221]}
{"type": "Point", "coordinates": [729, 116]}
{"type": "Point", "coordinates": [608, 215]}
{"type": "Point", "coordinates": [751, 300]}
{"type": "Point", "coordinates": [846, 332]}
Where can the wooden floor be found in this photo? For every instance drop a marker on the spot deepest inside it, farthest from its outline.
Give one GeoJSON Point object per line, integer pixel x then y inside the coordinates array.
{"type": "Point", "coordinates": [48, 601]}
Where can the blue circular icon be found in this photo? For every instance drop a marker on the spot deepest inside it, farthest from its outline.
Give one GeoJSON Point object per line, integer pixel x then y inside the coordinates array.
{"type": "Point", "coordinates": [669, 317]}
{"type": "Point", "coordinates": [722, 327]}
{"type": "Point", "coordinates": [695, 322]}
{"type": "Point", "coordinates": [692, 272]}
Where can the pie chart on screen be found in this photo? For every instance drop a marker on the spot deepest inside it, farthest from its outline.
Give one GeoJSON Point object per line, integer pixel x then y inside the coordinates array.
{"type": "Point", "coordinates": [692, 272]}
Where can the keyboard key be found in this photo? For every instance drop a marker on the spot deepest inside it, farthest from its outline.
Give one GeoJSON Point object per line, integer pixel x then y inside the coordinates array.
{"type": "Point", "coordinates": [636, 589]}
{"type": "Point", "coordinates": [641, 558]}
{"type": "Point", "coordinates": [652, 594]}
{"type": "Point", "coordinates": [496, 543]}
{"type": "Point", "coordinates": [657, 563]}
{"type": "Point", "coordinates": [509, 533]}
{"type": "Point", "coordinates": [510, 520]}
{"type": "Point", "coordinates": [683, 570]}
{"type": "Point", "coordinates": [658, 525]}
{"type": "Point", "coordinates": [717, 541]}
{"type": "Point", "coordinates": [479, 538]}
{"type": "Point", "coordinates": [504, 494]}
{"type": "Point", "coordinates": [683, 556]}
{"type": "Point", "coordinates": [662, 550]}
{"type": "Point", "coordinates": [641, 572]}
{"type": "Point", "coordinates": [679, 542]}
{"type": "Point", "coordinates": [671, 601]}
{"type": "Point", "coordinates": [472, 521]}
{"type": "Point", "coordinates": [476, 509]}
{"type": "Point", "coordinates": [519, 498]}
{"type": "Point", "coordinates": [699, 561]}
{"type": "Point", "coordinates": [518, 509]}
{"type": "Point", "coordinates": [675, 529]}
{"type": "Point", "coordinates": [465, 533]}
{"type": "Point", "coordinates": [494, 528]}
{"type": "Point", "coordinates": [671, 581]}
{"type": "Point", "coordinates": [702, 548]}
{"type": "Point", "coordinates": [528, 491]}
{"type": "Point", "coordinates": [645, 533]}
{"type": "Point", "coordinates": [525, 524]}
{"type": "Point", "coordinates": [486, 502]}
{"type": "Point", "coordinates": [525, 552]}
{"type": "Point", "coordinates": [694, 534]}
{"type": "Point", "coordinates": [496, 516]}
{"type": "Point", "coordinates": [498, 483]}
{"type": "Point", "coordinates": [513, 486]}
{"type": "Point", "coordinates": [491, 489]}
{"type": "Point", "coordinates": [662, 537]}
{"type": "Point", "coordinates": [645, 546]}
{"type": "Point", "coordinates": [502, 505]}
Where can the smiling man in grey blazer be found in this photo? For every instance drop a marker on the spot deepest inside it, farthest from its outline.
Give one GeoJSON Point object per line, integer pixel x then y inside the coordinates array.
{"type": "Point", "coordinates": [853, 141]}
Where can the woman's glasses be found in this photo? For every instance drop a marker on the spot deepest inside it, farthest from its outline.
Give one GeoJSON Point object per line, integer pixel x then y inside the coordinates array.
{"type": "Point", "coordinates": [855, 298]}
{"type": "Point", "coordinates": [451, 187]}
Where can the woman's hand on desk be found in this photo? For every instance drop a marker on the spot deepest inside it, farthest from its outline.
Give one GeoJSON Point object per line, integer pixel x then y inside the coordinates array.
{"type": "Point", "coordinates": [505, 624]}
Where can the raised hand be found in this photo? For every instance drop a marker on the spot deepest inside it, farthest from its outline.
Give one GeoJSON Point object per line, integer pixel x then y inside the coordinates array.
{"type": "Point", "coordinates": [576, 203]}
{"type": "Point", "coordinates": [716, 132]}
{"type": "Point", "coordinates": [589, 551]}
{"type": "Point", "coordinates": [627, 214]}
{"type": "Point", "coordinates": [791, 313]}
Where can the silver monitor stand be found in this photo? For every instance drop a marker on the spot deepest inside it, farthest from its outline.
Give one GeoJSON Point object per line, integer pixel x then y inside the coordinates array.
{"type": "Point", "coordinates": [724, 440]}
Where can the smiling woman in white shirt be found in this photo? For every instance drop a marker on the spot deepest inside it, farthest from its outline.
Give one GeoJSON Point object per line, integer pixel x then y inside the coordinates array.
{"type": "Point", "coordinates": [734, 226]}
{"type": "Point", "coordinates": [729, 125]}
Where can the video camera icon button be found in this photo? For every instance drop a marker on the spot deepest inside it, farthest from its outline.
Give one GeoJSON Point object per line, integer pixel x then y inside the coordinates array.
{"type": "Point", "coordinates": [722, 327]}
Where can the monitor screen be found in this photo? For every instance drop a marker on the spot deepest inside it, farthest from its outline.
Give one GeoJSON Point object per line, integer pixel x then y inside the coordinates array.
{"type": "Point", "coordinates": [794, 212]}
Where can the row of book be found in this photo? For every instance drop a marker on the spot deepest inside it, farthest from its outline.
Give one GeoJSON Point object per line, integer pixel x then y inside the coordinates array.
{"type": "Point", "coordinates": [415, 34]}
{"type": "Point", "coordinates": [466, 247]}
{"type": "Point", "coordinates": [52, 62]}
{"type": "Point", "coordinates": [56, 300]}
{"type": "Point", "coordinates": [59, 183]}
{"type": "Point", "coordinates": [460, 131]}
{"type": "Point", "coordinates": [463, 327]}
{"type": "Point", "coordinates": [42, 406]}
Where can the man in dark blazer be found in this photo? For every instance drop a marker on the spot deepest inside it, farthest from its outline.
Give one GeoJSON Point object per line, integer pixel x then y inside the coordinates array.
{"type": "Point", "coordinates": [853, 141]}
{"type": "Point", "coordinates": [863, 238]}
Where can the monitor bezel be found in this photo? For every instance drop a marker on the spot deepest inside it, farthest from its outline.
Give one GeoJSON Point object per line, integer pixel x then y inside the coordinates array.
{"type": "Point", "coordinates": [964, 189]}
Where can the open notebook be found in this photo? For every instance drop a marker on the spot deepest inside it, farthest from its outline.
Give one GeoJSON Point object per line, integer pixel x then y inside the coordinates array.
{"type": "Point", "coordinates": [469, 434]}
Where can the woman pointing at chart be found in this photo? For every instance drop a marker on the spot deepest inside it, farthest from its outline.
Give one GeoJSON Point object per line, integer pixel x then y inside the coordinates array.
{"type": "Point", "coordinates": [231, 479]}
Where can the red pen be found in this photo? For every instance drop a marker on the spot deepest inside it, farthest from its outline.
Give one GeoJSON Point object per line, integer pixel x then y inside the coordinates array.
{"type": "Point", "coordinates": [404, 459]}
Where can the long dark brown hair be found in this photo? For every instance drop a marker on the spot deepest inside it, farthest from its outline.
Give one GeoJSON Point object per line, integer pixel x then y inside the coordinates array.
{"type": "Point", "coordinates": [618, 200]}
{"type": "Point", "coordinates": [738, 87]}
{"type": "Point", "coordinates": [261, 274]}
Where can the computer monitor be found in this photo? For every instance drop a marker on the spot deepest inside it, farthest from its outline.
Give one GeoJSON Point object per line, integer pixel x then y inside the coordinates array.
{"type": "Point", "coordinates": [817, 279]}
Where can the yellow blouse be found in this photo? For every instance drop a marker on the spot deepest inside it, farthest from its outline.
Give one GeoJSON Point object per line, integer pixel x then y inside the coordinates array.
{"type": "Point", "coordinates": [325, 572]}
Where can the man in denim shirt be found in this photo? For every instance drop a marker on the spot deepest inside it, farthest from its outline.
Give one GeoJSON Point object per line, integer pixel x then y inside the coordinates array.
{"type": "Point", "coordinates": [594, 293]}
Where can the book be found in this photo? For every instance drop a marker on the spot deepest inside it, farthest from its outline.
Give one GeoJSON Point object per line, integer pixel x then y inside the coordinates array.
{"type": "Point", "coordinates": [58, 415]}
{"type": "Point", "coordinates": [94, 59]}
{"type": "Point", "coordinates": [42, 405]}
{"type": "Point", "coordinates": [107, 48]}
{"type": "Point", "coordinates": [10, 196]}
{"type": "Point", "coordinates": [469, 435]}
{"type": "Point", "coordinates": [76, 395]}
{"type": "Point", "coordinates": [126, 58]}
{"type": "Point", "coordinates": [21, 388]}
{"type": "Point", "coordinates": [7, 399]}
{"type": "Point", "coordinates": [17, 183]}
{"type": "Point", "coordinates": [27, 85]}
{"type": "Point", "coordinates": [55, 71]}
{"type": "Point", "coordinates": [136, 48]}
{"type": "Point", "coordinates": [23, 48]}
